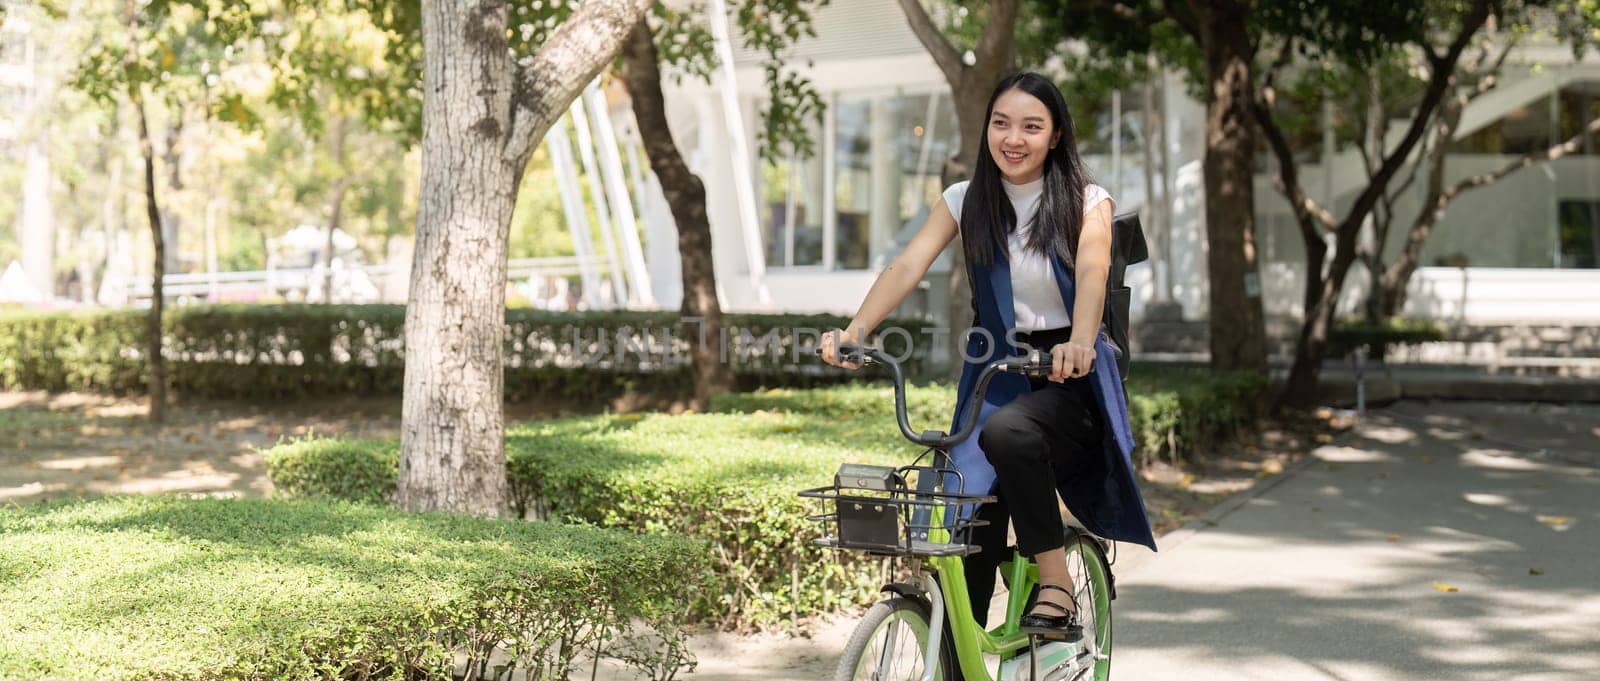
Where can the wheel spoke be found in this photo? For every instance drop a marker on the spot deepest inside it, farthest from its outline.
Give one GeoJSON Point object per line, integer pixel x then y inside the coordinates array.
{"type": "Point", "coordinates": [886, 660]}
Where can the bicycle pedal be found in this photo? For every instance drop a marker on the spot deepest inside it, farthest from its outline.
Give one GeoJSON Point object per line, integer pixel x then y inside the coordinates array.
{"type": "Point", "coordinates": [1051, 635]}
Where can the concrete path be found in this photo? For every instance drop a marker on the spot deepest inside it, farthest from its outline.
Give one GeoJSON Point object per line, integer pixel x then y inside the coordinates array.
{"type": "Point", "coordinates": [1439, 541]}
{"type": "Point", "coordinates": [1453, 541]}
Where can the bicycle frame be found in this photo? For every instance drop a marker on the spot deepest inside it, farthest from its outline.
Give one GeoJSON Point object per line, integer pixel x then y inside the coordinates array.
{"type": "Point", "coordinates": [949, 599]}
{"type": "Point", "coordinates": [946, 589]}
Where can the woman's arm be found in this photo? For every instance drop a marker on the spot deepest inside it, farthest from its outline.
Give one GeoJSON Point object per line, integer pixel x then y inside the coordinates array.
{"type": "Point", "coordinates": [896, 281]}
{"type": "Point", "coordinates": [1076, 357]}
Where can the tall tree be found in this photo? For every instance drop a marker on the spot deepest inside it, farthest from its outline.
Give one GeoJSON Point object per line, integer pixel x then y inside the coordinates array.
{"type": "Point", "coordinates": [164, 49]}
{"type": "Point", "coordinates": [483, 112]}
{"type": "Point", "coordinates": [686, 197]}
{"type": "Point", "coordinates": [679, 40]}
{"type": "Point", "coordinates": [1473, 79]}
{"type": "Point", "coordinates": [1215, 42]}
{"type": "Point", "coordinates": [971, 82]}
{"type": "Point", "coordinates": [1443, 35]}
{"type": "Point", "coordinates": [1238, 328]}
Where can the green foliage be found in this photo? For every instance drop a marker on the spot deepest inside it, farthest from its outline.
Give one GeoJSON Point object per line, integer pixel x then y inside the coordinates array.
{"type": "Point", "coordinates": [72, 351]}
{"type": "Point", "coordinates": [730, 477]}
{"type": "Point", "coordinates": [271, 352]}
{"type": "Point", "coordinates": [168, 588]}
{"type": "Point", "coordinates": [1350, 335]}
{"type": "Point", "coordinates": [1183, 412]}
{"type": "Point", "coordinates": [793, 105]}
{"type": "Point", "coordinates": [355, 470]}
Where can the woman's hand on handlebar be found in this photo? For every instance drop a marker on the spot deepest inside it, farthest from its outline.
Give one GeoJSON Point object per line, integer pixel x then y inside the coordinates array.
{"type": "Point", "coordinates": [1072, 359]}
{"type": "Point", "coordinates": [830, 348]}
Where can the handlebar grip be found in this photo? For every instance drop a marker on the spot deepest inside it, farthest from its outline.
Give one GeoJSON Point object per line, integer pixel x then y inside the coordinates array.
{"type": "Point", "coordinates": [1037, 364]}
{"type": "Point", "coordinates": [850, 352]}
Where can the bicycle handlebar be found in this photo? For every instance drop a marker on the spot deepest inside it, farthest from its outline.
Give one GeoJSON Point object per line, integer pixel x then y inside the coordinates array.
{"type": "Point", "coordinates": [1036, 364]}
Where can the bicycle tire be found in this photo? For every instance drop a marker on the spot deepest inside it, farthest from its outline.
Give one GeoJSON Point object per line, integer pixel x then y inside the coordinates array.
{"type": "Point", "coordinates": [1093, 597]}
{"type": "Point", "coordinates": [881, 619]}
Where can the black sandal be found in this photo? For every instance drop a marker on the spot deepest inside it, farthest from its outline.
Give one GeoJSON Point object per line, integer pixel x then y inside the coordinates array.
{"type": "Point", "coordinates": [1057, 627]}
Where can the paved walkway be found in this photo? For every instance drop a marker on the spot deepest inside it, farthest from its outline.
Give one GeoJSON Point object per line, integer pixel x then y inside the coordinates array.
{"type": "Point", "coordinates": [1449, 540]}
{"type": "Point", "coordinates": [1438, 541]}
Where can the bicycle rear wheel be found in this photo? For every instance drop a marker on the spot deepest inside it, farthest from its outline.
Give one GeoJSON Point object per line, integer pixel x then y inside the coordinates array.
{"type": "Point", "coordinates": [888, 645]}
{"type": "Point", "coordinates": [1091, 580]}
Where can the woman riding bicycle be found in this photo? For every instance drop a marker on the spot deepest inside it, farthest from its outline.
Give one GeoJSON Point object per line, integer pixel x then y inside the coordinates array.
{"type": "Point", "coordinates": [1037, 237]}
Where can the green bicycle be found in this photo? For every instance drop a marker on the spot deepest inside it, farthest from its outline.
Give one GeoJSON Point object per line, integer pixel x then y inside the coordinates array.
{"type": "Point", "coordinates": [927, 630]}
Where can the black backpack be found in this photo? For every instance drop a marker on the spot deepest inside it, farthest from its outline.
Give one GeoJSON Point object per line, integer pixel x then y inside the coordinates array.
{"type": "Point", "coordinates": [1127, 248]}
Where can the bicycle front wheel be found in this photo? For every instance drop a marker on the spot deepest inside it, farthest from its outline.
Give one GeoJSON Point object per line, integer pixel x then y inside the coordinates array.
{"type": "Point", "coordinates": [888, 645]}
{"type": "Point", "coordinates": [1091, 580]}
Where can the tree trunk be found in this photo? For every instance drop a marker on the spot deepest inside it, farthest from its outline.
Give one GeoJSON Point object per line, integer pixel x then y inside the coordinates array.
{"type": "Point", "coordinates": [1390, 284]}
{"type": "Point", "coordinates": [335, 205]}
{"type": "Point", "coordinates": [158, 370]}
{"type": "Point", "coordinates": [482, 116]}
{"type": "Point", "coordinates": [1301, 389]}
{"type": "Point", "coordinates": [171, 222]}
{"type": "Point", "coordinates": [1238, 330]}
{"type": "Point", "coordinates": [453, 429]}
{"type": "Point", "coordinates": [970, 87]}
{"type": "Point", "coordinates": [686, 196]}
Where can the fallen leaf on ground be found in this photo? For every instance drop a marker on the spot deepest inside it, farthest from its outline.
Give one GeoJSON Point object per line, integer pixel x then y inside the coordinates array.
{"type": "Point", "coordinates": [1446, 588]}
{"type": "Point", "coordinates": [1555, 520]}
{"type": "Point", "coordinates": [1394, 537]}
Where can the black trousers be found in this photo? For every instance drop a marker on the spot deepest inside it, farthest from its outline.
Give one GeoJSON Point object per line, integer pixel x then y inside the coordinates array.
{"type": "Point", "coordinates": [1033, 442]}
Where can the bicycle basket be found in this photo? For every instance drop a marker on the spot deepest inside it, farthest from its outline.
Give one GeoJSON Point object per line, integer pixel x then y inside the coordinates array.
{"type": "Point", "coordinates": [905, 511]}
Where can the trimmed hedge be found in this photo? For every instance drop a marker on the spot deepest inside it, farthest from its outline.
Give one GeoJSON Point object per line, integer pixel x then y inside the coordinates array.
{"type": "Point", "coordinates": [169, 588]}
{"type": "Point", "coordinates": [279, 351]}
{"type": "Point", "coordinates": [1181, 412]}
{"type": "Point", "coordinates": [731, 476]}
{"type": "Point", "coordinates": [1351, 334]}
{"type": "Point", "coordinates": [353, 470]}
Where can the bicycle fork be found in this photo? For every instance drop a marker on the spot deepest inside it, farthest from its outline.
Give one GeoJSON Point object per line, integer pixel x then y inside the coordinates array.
{"type": "Point", "coordinates": [930, 657]}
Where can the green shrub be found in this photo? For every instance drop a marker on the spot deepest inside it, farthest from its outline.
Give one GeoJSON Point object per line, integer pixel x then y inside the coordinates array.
{"type": "Point", "coordinates": [277, 351]}
{"type": "Point", "coordinates": [1179, 412]}
{"type": "Point", "coordinates": [731, 476]}
{"type": "Point", "coordinates": [356, 470]}
{"type": "Point", "coordinates": [167, 588]}
{"type": "Point", "coordinates": [1351, 334]}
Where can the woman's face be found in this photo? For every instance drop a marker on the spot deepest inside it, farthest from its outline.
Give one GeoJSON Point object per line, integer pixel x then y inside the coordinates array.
{"type": "Point", "coordinates": [1020, 136]}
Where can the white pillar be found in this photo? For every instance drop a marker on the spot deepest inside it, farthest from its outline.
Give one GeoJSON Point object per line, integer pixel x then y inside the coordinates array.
{"type": "Point", "coordinates": [37, 233]}
{"type": "Point", "coordinates": [884, 218]}
{"type": "Point", "coordinates": [739, 151]}
{"type": "Point", "coordinates": [617, 193]}
{"type": "Point", "coordinates": [602, 208]}
{"type": "Point", "coordinates": [572, 205]}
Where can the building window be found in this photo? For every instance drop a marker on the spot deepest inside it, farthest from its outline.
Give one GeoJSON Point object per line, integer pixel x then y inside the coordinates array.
{"type": "Point", "coordinates": [877, 168]}
{"type": "Point", "coordinates": [888, 152]}
{"type": "Point", "coordinates": [853, 182]}
{"type": "Point", "coordinates": [1537, 126]}
{"type": "Point", "coordinates": [1580, 234]}
{"type": "Point", "coordinates": [791, 208]}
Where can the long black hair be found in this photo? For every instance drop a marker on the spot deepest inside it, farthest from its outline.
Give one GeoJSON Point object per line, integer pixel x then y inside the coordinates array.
{"type": "Point", "coordinates": [987, 217]}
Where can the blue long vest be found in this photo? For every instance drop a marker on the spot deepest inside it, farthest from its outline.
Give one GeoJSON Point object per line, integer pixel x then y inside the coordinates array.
{"type": "Point", "coordinates": [1111, 506]}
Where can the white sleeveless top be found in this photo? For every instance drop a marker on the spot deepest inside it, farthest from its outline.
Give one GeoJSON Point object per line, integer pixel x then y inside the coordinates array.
{"type": "Point", "coordinates": [1036, 300]}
